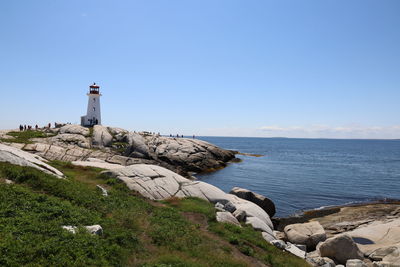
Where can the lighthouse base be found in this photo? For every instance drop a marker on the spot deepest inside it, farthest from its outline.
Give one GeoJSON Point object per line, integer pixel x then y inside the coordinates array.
{"type": "Point", "coordinates": [89, 122]}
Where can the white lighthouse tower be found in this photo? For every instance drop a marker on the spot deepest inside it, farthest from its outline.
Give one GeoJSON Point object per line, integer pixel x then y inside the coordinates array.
{"type": "Point", "coordinates": [93, 115]}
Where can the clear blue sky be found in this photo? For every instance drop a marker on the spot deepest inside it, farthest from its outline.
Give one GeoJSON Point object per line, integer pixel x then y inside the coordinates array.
{"type": "Point", "coordinates": [241, 68]}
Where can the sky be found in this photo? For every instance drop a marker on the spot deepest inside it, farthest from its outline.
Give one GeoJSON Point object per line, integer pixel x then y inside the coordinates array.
{"type": "Point", "coordinates": [311, 68]}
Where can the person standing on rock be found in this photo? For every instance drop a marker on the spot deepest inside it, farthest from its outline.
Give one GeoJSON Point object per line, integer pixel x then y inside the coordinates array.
{"type": "Point", "coordinates": [25, 127]}
{"type": "Point", "coordinates": [36, 127]}
{"type": "Point", "coordinates": [21, 128]}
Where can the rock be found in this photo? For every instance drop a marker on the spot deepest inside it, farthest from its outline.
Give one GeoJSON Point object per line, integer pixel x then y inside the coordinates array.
{"type": "Point", "coordinates": [103, 190]}
{"type": "Point", "coordinates": [340, 248]}
{"type": "Point", "coordinates": [219, 206]}
{"type": "Point", "coordinates": [355, 263]}
{"type": "Point", "coordinates": [118, 134]}
{"type": "Point", "coordinates": [70, 228]}
{"type": "Point", "coordinates": [268, 236]}
{"type": "Point", "coordinates": [92, 229]}
{"type": "Point", "coordinates": [101, 136]}
{"type": "Point", "coordinates": [69, 139]}
{"type": "Point", "coordinates": [240, 215]}
{"type": "Point", "coordinates": [278, 243]}
{"type": "Point", "coordinates": [280, 235]}
{"type": "Point", "coordinates": [258, 224]}
{"type": "Point", "coordinates": [158, 183]}
{"type": "Point", "coordinates": [19, 157]}
{"type": "Point", "coordinates": [302, 247]}
{"type": "Point", "coordinates": [309, 234]}
{"type": "Point", "coordinates": [137, 146]}
{"type": "Point", "coordinates": [316, 260]}
{"type": "Point", "coordinates": [385, 264]}
{"type": "Point", "coordinates": [95, 229]}
{"type": "Point", "coordinates": [8, 181]}
{"type": "Point", "coordinates": [101, 165]}
{"type": "Point", "coordinates": [227, 217]}
{"type": "Point", "coordinates": [262, 201]}
{"type": "Point", "coordinates": [74, 129]}
{"type": "Point", "coordinates": [381, 253]}
{"type": "Point", "coordinates": [378, 234]}
{"type": "Point", "coordinates": [295, 250]}
{"type": "Point", "coordinates": [229, 207]}
{"type": "Point", "coordinates": [252, 209]}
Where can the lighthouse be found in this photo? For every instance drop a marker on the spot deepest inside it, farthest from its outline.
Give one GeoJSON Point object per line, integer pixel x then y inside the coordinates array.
{"type": "Point", "coordinates": [93, 115]}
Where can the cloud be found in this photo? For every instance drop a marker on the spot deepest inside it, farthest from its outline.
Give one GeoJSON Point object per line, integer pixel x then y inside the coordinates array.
{"type": "Point", "coordinates": [326, 131]}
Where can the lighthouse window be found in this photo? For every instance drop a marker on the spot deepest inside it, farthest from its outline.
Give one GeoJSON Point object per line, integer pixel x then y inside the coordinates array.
{"type": "Point", "coordinates": [94, 109]}
{"type": "Point", "coordinates": [94, 99]}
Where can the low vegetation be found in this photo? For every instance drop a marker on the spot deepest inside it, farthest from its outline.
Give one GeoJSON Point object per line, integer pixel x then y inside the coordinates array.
{"type": "Point", "coordinates": [25, 136]}
{"type": "Point", "coordinates": [137, 232]}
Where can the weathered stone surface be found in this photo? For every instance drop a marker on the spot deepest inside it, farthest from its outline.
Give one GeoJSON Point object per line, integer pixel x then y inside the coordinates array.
{"type": "Point", "coordinates": [340, 248]}
{"type": "Point", "coordinates": [376, 235]}
{"type": "Point", "coordinates": [316, 260]}
{"type": "Point", "coordinates": [258, 224]}
{"type": "Point", "coordinates": [102, 165]}
{"type": "Point", "coordinates": [385, 264]}
{"type": "Point", "coordinates": [268, 236]}
{"type": "Point", "coordinates": [381, 253]}
{"type": "Point", "coordinates": [101, 136]}
{"type": "Point", "coordinates": [227, 217]}
{"type": "Point", "coordinates": [355, 263]}
{"type": "Point", "coordinates": [219, 206]}
{"type": "Point", "coordinates": [262, 201]}
{"type": "Point", "coordinates": [118, 134]}
{"type": "Point", "coordinates": [70, 139]}
{"type": "Point", "coordinates": [295, 250]}
{"type": "Point", "coordinates": [157, 183]}
{"type": "Point", "coordinates": [74, 129]}
{"type": "Point", "coordinates": [309, 234]}
{"type": "Point", "coordinates": [19, 157]}
{"type": "Point", "coordinates": [137, 146]}
{"type": "Point", "coordinates": [240, 215]}
{"type": "Point", "coordinates": [93, 229]}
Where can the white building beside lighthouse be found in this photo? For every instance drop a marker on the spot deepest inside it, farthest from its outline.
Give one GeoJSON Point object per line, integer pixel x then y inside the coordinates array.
{"type": "Point", "coordinates": [93, 115]}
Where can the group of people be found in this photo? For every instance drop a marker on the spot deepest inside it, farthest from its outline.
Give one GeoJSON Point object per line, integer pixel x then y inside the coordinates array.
{"type": "Point", "coordinates": [180, 136]}
{"type": "Point", "coordinates": [30, 127]}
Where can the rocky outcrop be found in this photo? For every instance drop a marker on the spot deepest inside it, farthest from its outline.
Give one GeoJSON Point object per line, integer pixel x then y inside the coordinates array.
{"type": "Point", "coordinates": [116, 145]}
{"type": "Point", "coordinates": [157, 183]}
{"type": "Point", "coordinates": [340, 248]}
{"type": "Point", "coordinates": [101, 136]}
{"type": "Point", "coordinates": [258, 199]}
{"type": "Point", "coordinates": [92, 229]}
{"type": "Point", "coordinates": [18, 157]}
{"type": "Point", "coordinates": [309, 234]}
{"type": "Point", "coordinates": [74, 129]}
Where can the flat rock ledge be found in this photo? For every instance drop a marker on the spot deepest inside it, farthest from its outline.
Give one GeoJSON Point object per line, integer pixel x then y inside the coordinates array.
{"type": "Point", "coordinates": [19, 157]}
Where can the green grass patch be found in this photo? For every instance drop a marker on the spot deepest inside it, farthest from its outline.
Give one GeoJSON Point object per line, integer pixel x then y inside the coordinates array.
{"type": "Point", "coordinates": [25, 136]}
{"type": "Point", "coordinates": [137, 232]}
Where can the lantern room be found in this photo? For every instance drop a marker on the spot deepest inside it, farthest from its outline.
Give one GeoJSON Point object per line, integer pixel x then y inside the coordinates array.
{"type": "Point", "coordinates": [94, 89]}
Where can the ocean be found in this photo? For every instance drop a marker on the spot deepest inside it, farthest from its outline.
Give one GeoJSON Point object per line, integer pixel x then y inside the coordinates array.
{"type": "Point", "coordinates": [304, 174]}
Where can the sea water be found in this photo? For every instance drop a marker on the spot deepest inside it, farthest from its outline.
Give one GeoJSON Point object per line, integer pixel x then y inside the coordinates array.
{"type": "Point", "coordinates": [303, 174]}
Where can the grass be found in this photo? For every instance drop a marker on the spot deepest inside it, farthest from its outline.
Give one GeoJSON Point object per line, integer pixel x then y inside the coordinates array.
{"type": "Point", "coordinates": [137, 232]}
{"type": "Point", "coordinates": [25, 136]}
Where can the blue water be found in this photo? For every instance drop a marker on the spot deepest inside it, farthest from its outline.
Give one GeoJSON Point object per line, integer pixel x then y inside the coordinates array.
{"type": "Point", "coordinates": [303, 174]}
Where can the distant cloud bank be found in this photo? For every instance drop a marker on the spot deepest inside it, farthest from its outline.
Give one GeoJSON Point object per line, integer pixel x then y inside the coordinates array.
{"type": "Point", "coordinates": [324, 131]}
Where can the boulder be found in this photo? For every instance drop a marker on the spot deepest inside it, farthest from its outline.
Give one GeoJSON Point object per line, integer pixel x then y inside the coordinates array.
{"type": "Point", "coordinates": [219, 206]}
{"type": "Point", "coordinates": [69, 139]}
{"type": "Point", "coordinates": [278, 243]}
{"type": "Point", "coordinates": [385, 264]}
{"type": "Point", "coordinates": [259, 225]}
{"type": "Point", "coordinates": [74, 129]}
{"type": "Point", "coordinates": [19, 157]}
{"type": "Point", "coordinates": [227, 217]}
{"type": "Point", "coordinates": [101, 136]}
{"type": "Point", "coordinates": [295, 251]}
{"type": "Point", "coordinates": [262, 201]}
{"type": "Point", "coordinates": [118, 134]}
{"type": "Point", "coordinates": [355, 263]}
{"type": "Point", "coordinates": [137, 146]}
{"type": "Point", "coordinates": [268, 236]}
{"type": "Point", "coordinates": [340, 248]}
{"type": "Point", "coordinates": [309, 234]}
{"type": "Point", "coordinates": [240, 215]}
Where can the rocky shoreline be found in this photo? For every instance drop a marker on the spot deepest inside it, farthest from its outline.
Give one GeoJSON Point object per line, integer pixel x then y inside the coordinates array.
{"type": "Point", "coordinates": [160, 168]}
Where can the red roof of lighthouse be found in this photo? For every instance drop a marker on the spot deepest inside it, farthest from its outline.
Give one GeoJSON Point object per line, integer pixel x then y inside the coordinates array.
{"type": "Point", "coordinates": [94, 85]}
